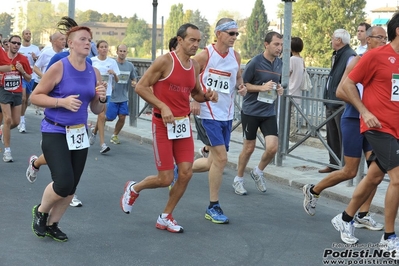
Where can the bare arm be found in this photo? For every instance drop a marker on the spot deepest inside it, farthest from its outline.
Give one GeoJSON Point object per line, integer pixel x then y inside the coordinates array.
{"type": "Point", "coordinates": [349, 87]}
{"type": "Point", "coordinates": [95, 105]}
{"type": "Point", "coordinates": [5, 68]}
{"type": "Point", "coordinates": [340, 93]}
{"type": "Point", "coordinates": [242, 89]}
{"type": "Point", "coordinates": [37, 71]}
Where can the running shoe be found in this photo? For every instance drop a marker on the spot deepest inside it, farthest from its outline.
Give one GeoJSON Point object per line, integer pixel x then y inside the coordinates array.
{"type": "Point", "coordinates": [367, 222]}
{"type": "Point", "coordinates": [310, 200]}
{"type": "Point", "coordinates": [115, 140]}
{"type": "Point", "coordinates": [93, 136]}
{"type": "Point", "coordinates": [55, 233]}
{"type": "Point", "coordinates": [390, 245]}
{"type": "Point", "coordinates": [104, 148]}
{"type": "Point", "coordinates": [346, 229]}
{"type": "Point", "coordinates": [75, 202]}
{"type": "Point", "coordinates": [39, 222]}
{"type": "Point", "coordinates": [260, 181]}
{"type": "Point", "coordinates": [215, 214]}
{"type": "Point", "coordinates": [203, 152]}
{"type": "Point", "coordinates": [7, 157]}
{"type": "Point", "coordinates": [239, 188]}
{"type": "Point", "coordinates": [128, 198]}
{"type": "Point", "coordinates": [168, 223]}
{"type": "Point", "coordinates": [21, 127]}
{"type": "Point", "coordinates": [31, 172]}
{"type": "Point", "coordinates": [175, 175]}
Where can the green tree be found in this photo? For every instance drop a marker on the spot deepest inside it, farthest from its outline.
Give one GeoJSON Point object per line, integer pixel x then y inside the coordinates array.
{"type": "Point", "coordinates": [202, 23]}
{"type": "Point", "coordinates": [5, 25]}
{"type": "Point", "coordinates": [88, 16]}
{"type": "Point", "coordinates": [173, 23]}
{"type": "Point", "coordinates": [316, 20]}
{"type": "Point", "coordinates": [137, 33]}
{"type": "Point", "coordinates": [40, 20]}
{"type": "Point", "coordinates": [257, 26]}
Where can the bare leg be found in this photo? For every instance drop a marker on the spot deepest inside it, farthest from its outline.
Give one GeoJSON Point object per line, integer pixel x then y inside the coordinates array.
{"type": "Point", "coordinates": [119, 124]}
{"type": "Point", "coordinates": [248, 148]}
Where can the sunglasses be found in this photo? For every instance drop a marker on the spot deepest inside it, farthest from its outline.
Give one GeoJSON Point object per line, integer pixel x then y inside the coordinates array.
{"type": "Point", "coordinates": [18, 43]}
{"type": "Point", "coordinates": [232, 33]}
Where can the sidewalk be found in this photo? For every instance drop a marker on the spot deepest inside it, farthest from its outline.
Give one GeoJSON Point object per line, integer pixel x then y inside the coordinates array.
{"type": "Point", "coordinates": [294, 172]}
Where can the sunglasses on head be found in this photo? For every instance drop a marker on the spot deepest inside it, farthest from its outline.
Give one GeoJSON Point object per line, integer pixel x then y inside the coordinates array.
{"type": "Point", "coordinates": [18, 43]}
{"type": "Point", "coordinates": [232, 33]}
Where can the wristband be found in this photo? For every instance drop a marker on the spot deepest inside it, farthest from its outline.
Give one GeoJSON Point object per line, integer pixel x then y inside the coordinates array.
{"type": "Point", "coordinates": [102, 101]}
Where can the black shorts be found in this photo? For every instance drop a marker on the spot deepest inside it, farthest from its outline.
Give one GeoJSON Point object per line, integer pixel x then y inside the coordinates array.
{"type": "Point", "coordinates": [251, 124]}
{"type": "Point", "coordinates": [385, 147]}
{"type": "Point", "coordinates": [201, 133]}
{"type": "Point", "coordinates": [11, 98]}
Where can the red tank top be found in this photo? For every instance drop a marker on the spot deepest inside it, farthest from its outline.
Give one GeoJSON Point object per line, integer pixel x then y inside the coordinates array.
{"type": "Point", "coordinates": [174, 90]}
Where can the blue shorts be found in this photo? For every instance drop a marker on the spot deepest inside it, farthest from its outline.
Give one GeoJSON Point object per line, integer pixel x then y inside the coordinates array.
{"type": "Point", "coordinates": [217, 132]}
{"type": "Point", "coordinates": [353, 141]}
{"type": "Point", "coordinates": [115, 109]}
{"type": "Point", "coordinates": [28, 86]}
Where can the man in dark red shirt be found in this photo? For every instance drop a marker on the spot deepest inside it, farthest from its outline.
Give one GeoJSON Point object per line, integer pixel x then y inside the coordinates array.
{"type": "Point", "coordinates": [11, 92]}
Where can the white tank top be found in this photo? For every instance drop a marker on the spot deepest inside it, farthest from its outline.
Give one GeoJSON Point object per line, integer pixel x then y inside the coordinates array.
{"type": "Point", "coordinates": [220, 74]}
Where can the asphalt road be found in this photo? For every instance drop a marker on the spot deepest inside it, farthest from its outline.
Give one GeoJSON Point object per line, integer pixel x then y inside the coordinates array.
{"type": "Point", "coordinates": [264, 229]}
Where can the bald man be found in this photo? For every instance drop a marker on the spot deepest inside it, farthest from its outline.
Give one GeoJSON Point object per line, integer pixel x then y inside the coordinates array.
{"type": "Point", "coordinates": [32, 52]}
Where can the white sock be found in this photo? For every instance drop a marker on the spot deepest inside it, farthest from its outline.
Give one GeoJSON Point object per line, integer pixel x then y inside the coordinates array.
{"type": "Point", "coordinates": [22, 120]}
{"type": "Point", "coordinates": [7, 149]}
{"type": "Point", "coordinates": [238, 179]}
{"type": "Point", "coordinates": [132, 189]}
{"type": "Point", "coordinates": [258, 171]}
{"type": "Point", "coordinates": [164, 215]}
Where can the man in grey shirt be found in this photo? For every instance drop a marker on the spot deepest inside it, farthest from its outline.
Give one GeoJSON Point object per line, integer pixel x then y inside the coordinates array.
{"type": "Point", "coordinates": [118, 104]}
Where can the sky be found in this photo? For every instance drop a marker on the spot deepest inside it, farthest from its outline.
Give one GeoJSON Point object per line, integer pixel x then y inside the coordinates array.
{"type": "Point", "coordinates": [208, 8]}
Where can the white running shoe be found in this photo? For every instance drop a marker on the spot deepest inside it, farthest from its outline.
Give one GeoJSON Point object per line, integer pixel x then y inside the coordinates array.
{"type": "Point", "coordinates": [21, 127]}
{"type": "Point", "coordinates": [203, 153]}
{"type": "Point", "coordinates": [93, 136]}
{"type": "Point", "coordinates": [367, 222]}
{"type": "Point", "coordinates": [239, 188]}
{"type": "Point", "coordinates": [310, 200]}
{"type": "Point", "coordinates": [390, 245]}
{"type": "Point", "coordinates": [7, 157]}
{"type": "Point", "coordinates": [31, 172]}
{"type": "Point", "coordinates": [346, 229]}
{"type": "Point", "coordinates": [104, 148]}
{"type": "Point", "coordinates": [260, 181]}
{"type": "Point", "coordinates": [128, 198]}
{"type": "Point", "coordinates": [168, 223]}
{"type": "Point", "coordinates": [75, 202]}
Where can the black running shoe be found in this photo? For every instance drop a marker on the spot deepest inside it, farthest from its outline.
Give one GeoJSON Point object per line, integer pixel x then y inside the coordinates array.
{"type": "Point", "coordinates": [55, 233]}
{"type": "Point", "coordinates": [39, 222]}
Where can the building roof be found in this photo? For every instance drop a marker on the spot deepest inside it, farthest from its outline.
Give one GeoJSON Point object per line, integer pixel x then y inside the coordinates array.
{"type": "Point", "coordinates": [104, 24]}
{"type": "Point", "coordinates": [385, 9]}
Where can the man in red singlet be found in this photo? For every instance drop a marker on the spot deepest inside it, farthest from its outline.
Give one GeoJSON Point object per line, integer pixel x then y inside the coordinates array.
{"type": "Point", "coordinates": [167, 86]}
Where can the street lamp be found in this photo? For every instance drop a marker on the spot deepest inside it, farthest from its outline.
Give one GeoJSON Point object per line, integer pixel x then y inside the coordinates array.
{"type": "Point", "coordinates": [154, 29]}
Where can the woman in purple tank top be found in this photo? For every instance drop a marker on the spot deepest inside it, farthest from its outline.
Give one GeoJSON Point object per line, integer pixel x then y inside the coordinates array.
{"type": "Point", "coordinates": [66, 90]}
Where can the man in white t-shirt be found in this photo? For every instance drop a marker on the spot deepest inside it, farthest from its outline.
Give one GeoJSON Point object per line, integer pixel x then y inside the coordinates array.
{"type": "Point", "coordinates": [361, 36]}
{"type": "Point", "coordinates": [32, 52]}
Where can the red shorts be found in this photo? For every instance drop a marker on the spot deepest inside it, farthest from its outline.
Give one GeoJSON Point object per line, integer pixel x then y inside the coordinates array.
{"type": "Point", "coordinates": [166, 151]}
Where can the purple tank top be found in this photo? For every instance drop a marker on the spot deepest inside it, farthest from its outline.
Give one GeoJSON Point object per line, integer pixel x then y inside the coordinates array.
{"type": "Point", "coordinates": [73, 82]}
